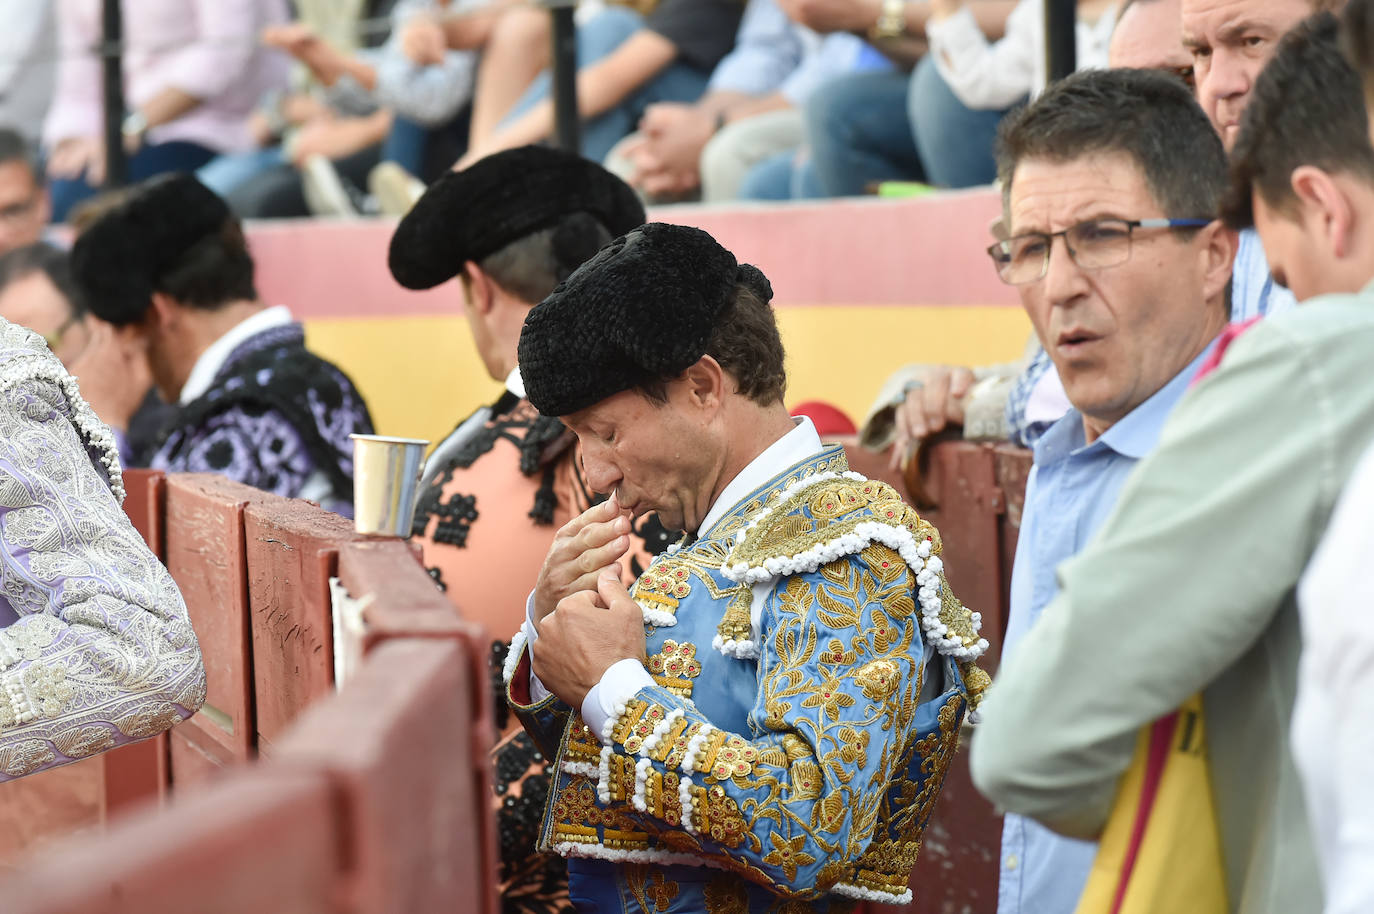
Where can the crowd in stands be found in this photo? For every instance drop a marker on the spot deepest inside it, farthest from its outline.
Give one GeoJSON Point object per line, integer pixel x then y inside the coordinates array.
{"type": "Point", "coordinates": [1188, 221]}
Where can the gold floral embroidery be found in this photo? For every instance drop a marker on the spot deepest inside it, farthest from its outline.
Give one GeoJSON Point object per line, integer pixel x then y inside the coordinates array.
{"type": "Point", "coordinates": [879, 679]}
{"type": "Point", "coordinates": [726, 895]}
{"type": "Point", "coordinates": [788, 854]}
{"type": "Point", "coordinates": [676, 666]}
{"type": "Point", "coordinates": [650, 888]}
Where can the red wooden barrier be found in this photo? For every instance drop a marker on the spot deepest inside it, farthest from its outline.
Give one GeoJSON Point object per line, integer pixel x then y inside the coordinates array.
{"type": "Point", "coordinates": [206, 554]}
{"type": "Point", "coordinates": [292, 551]}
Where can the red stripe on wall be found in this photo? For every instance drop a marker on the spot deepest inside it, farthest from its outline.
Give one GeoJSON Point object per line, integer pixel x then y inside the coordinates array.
{"type": "Point", "coordinates": [927, 251]}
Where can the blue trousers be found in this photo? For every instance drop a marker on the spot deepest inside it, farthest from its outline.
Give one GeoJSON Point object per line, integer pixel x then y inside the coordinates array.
{"type": "Point", "coordinates": [595, 40]}
{"type": "Point", "coordinates": [176, 156]}
{"type": "Point", "coordinates": [887, 126]}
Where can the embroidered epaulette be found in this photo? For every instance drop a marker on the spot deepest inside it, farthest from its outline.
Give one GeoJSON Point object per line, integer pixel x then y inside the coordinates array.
{"type": "Point", "coordinates": [830, 516]}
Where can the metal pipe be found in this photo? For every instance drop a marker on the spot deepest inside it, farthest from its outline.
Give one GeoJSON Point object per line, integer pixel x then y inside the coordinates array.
{"type": "Point", "coordinates": [567, 123]}
{"type": "Point", "coordinates": [111, 54]}
{"type": "Point", "coordinates": [1061, 51]}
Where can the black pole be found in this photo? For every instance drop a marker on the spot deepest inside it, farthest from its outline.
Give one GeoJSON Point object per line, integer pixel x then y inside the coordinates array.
{"type": "Point", "coordinates": [116, 166]}
{"type": "Point", "coordinates": [1060, 47]}
{"type": "Point", "coordinates": [567, 126]}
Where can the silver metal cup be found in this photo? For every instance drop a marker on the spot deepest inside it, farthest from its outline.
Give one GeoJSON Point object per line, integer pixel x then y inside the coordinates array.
{"type": "Point", "coordinates": [386, 483]}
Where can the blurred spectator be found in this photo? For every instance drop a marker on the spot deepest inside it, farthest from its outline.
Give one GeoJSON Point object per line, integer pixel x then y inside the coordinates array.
{"type": "Point", "coordinates": [626, 62]}
{"type": "Point", "coordinates": [1148, 36]}
{"type": "Point", "coordinates": [37, 292]}
{"type": "Point", "coordinates": [28, 64]}
{"type": "Point", "coordinates": [859, 127]}
{"type": "Point", "coordinates": [171, 264]}
{"type": "Point", "coordinates": [968, 83]}
{"type": "Point", "coordinates": [1221, 489]}
{"type": "Point", "coordinates": [426, 85]}
{"type": "Point", "coordinates": [95, 644]}
{"type": "Point", "coordinates": [740, 139]}
{"type": "Point", "coordinates": [193, 71]}
{"type": "Point", "coordinates": [24, 206]}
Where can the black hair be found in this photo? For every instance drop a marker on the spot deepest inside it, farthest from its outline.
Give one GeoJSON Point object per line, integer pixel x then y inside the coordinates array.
{"type": "Point", "coordinates": [1148, 116]}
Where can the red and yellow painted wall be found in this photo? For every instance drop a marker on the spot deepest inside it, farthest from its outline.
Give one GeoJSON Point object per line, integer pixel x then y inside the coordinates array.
{"type": "Point", "coordinates": [861, 287]}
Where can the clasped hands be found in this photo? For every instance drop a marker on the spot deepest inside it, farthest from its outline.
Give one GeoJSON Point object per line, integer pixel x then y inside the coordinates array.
{"type": "Point", "coordinates": [585, 617]}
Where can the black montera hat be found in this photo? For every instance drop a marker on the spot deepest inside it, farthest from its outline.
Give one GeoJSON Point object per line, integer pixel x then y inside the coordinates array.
{"type": "Point", "coordinates": [119, 261]}
{"type": "Point", "coordinates": [473, 213]}
{"type": "Point", "coordinates": [642, 309]}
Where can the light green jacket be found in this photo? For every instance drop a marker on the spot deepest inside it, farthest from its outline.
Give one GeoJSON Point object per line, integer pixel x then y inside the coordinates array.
{"type": "Point", "coordinates": [1189, 586]}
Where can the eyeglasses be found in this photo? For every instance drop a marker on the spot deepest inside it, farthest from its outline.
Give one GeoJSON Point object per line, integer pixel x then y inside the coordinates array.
{"type": "Point", "coordinates": [54, 337]}
{"type": "Point", "coordinates": [1093, 245]}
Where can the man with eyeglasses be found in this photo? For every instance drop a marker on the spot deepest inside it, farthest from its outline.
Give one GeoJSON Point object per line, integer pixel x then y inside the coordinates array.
{"type": "Point", "coordinates": [1190, 585]}
{"type": "Point", "coordinates": [24, 207]}
{"type": "Point", "coordinates": [1123, 273]}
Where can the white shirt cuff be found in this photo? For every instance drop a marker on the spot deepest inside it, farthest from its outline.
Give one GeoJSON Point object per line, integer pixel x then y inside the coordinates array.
{"type": "Point", "coordinates": [537, 691]}
{"type": "Point", "coordinates": [621, 682]}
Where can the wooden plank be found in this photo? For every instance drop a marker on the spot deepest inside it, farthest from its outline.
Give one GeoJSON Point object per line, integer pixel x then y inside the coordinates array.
{"type": "Point", "coordinates": [206, 555]}
{"type": "Point", "coordinates": [259, 841]}
{"type": "Point", "coordinates": [401, 743]}
{"type": "Point", "coordinates": [292, 551]}
{"type": "Point", "coordinates": [145, 503]}
{"type": "Point", "coordinates": [134, 774]}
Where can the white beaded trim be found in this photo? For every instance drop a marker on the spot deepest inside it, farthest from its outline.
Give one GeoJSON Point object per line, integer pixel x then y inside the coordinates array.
{"type": "Point", "coordinates": [747, 649]}
{"type": "Point", "coordinates": [695, 746]}
{"type": "Point", "coordinates": [660, 731]}
{"type": "Point", "coordinates": [8, 655]}
{"type": "Point", "coordinates": [658, 618]}
{"type": "Point", "coordinates": [684, 799]}
{"type": "Point", "coordinates": [23, 709]}
{"type": "Point", "coordinates": [608, 728]}
{"type": "Point", "coordinates": [641, 782]}
{"type": "Point", "coordinates": [586, 769]}
{"type": "Point", "coordinates": [917, 556]}
{"type": "Point", "coordinates": [603, 780]}
{"type": "Point", "coordinates": [619, 855]}
{"type": "Point", "coordinates": [517, 647]}
{"type": "Point", "coordinates": [45, 367]}
{"type": "Point", "coordinates": [858, 891]}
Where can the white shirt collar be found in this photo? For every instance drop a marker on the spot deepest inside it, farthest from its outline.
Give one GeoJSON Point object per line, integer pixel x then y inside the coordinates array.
{"type": "Point", "coordinates": [217, 353]}
{"type": "Point", "coordinates": [797, 445]}
{"type": "Point", "coordinates": [515, 384]}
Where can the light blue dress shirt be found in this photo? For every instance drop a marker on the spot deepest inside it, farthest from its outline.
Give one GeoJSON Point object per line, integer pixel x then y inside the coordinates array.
{"type": "Point", "coordinates": [1072, 489]}
{"type": "Point", "coordinates": [1253, 290]}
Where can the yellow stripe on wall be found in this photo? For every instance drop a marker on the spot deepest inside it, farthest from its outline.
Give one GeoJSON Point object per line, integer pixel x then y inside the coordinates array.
{"type": "Point", "coordinates": [421, 375]}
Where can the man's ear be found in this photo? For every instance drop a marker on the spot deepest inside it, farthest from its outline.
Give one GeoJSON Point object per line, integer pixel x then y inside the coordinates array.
{"type": "Point", "coordinates": [704, 382]}
{"type": "Point", "coordinates": [164, 314]}
{"type": "Point", "coordinates": [1219, 254]}
{"type": "Point", "coordinates": [479, 288]}
{"type": "Point", "coordinates": [1324, 207]}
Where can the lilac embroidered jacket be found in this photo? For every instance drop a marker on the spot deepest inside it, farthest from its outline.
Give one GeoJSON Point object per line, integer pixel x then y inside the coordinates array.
{"type": "Point", "coordinates": [276, 417]}
{"type": "Point", "coordinates": [96, 649]}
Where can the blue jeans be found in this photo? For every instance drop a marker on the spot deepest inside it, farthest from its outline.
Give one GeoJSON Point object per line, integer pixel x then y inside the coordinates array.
{"type": "Point", "coordinates": [859, 134]}
{"type": "Point", "coordinates": [228, 171]}
{"type": "Point", "coordinates": [176, 156]}
{"type": "Point", "coordinates": [955, 142]}
{"type": "Point", "coordinates": [595, 40]}
{"type": "Point", "coordinates": [785, 176]}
